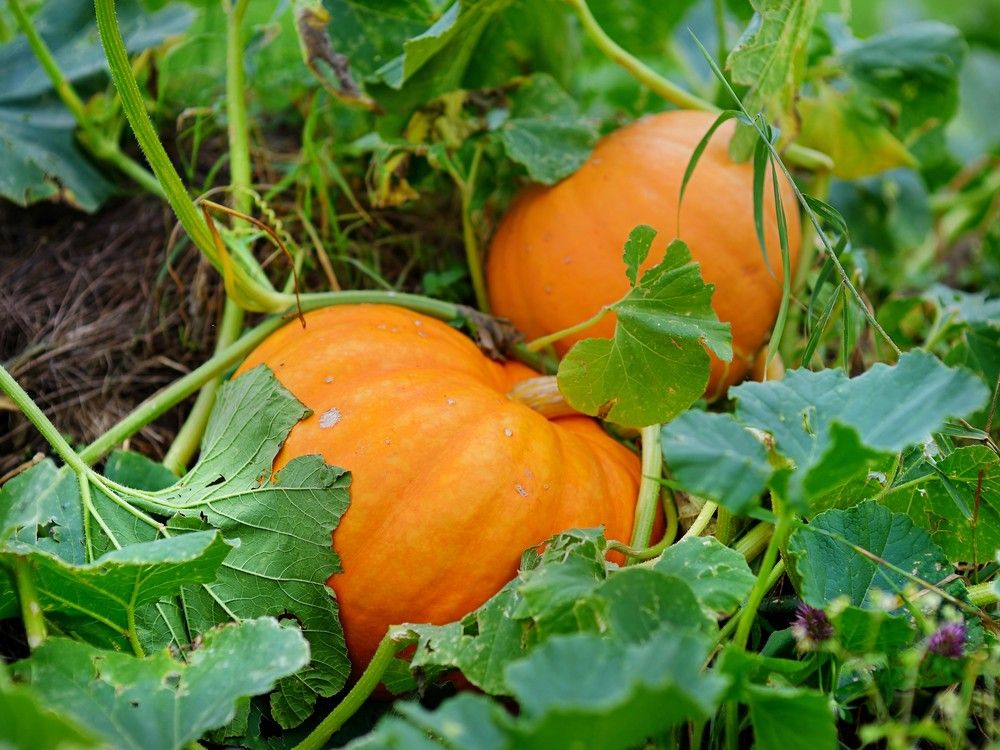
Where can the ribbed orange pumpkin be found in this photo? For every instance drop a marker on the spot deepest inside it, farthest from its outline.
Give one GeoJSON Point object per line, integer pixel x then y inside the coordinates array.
{"type": "Point", "coordinates": [451, 479]}
{"type": "Point", "coordinates": [556, 257]}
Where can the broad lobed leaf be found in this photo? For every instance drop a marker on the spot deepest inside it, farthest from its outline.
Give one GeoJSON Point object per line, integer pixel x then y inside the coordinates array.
{"type": "Point", "coordinates": [160, 701]}
{"type": "Point", "coordinates": [656, 365]}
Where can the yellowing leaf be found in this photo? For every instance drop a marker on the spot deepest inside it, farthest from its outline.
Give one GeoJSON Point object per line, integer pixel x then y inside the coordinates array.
{"type": "Point", "coordinates": [844, 126]}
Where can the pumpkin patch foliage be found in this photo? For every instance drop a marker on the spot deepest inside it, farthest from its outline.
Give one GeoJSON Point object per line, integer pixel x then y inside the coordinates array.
{"type": "Point", "coordinates": [587, 374]}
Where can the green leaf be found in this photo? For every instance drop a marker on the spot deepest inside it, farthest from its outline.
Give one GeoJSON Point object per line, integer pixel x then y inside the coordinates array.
{"type": "Point", "coordinates": [586, 691]}
{"type": "Point", "coordinates": [656, 365]}
{"type": "Point", "coordinates": [829, 567]}
{"type": "Point", "coordinates": [715, 457]}
{"type": "Point", "coordinates": [718, 575]}
{"type": "Point", "coordinates": [192, 72]}
{"type": "Point", "coordinates": [95, 600]}
{"type": "Point", "coordinates": [973, 472]}
{"type": "Point", "coordinates": [848, 127]}
{"type": "Point", "coordinates": [136, 470]}
{"type": "Point", "coordinates": [69, 29]}
{"type": "Point", "coordinates": [372, 32]}
{"type": "Point", "coordinates": [915, 66]}
{"type": "Point", "coordinates": [284, 525]}
{"type": "Point", "coordinates": [637, 246]}
{"type": "Point", "coordinates": [27, 722]}
{"type": "Point", "coordinates": [800, 411]}
{"type": "Point", "coordinates": [580, 691]}
{"type": "Point", "coordinates": [545, 131]}
{"type": "Point", "coordinates": [480, 645]}
{"type": "Point", "coordinates": [466, 721]}
{"type": "Point", "coordinates": [872, 631]}
{"type": "Point", "coordinates": [160, 702]}
{"type": "Point", "coordinates": [633, 604]}
{"type": "Point", "coordinates": [791, 719]}
{"type": "Point", "coordinates": [41, 507]}
{"type": "Point", "coordinates": [770, 58]}
{"type": "Point", "coordinates": [39, 157]}
{"type": "Point", "coordinates": [434, 62]}
{"type": "Point", "coordinates": [569, 569]}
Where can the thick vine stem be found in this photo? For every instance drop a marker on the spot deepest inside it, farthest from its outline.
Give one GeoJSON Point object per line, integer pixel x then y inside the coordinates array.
{"type": "Point", "coordinates": [31, 610]}
{"type": "Point", "coordinates": [264, 297]}
{"type": "Point", "coordinates": [536, 345]}
{"type": "Point", "coordinates": [796, 154]}
{"type": "Point", "coordinates": [364, 687]}
{"type": "Point", "coordinates": [177, 391]}
{"type": "Point", "coordinates": [37, 417]}
{"type": "Point", "coordinates": [760, 587]}
{"type": "Point", "coordinates": [649, 487]}
{"type": "Point", "coordinates": [702, 520]}
{"type": "Point", "coordinates": [186, 442]}
{"type": "Point", "coordinates": [643, 555]}
{"type": "Point", "coordinates": [754, 541]}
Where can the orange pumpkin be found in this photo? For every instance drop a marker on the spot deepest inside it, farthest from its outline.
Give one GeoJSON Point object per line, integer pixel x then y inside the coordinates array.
{"type": "Point", "coordinates": [451, 479]}
{"type": "Point", "coordinates": [556, 258]}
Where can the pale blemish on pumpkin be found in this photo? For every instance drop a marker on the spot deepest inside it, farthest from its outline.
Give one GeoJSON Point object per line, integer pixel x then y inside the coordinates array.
{"type": "Point", "coordinates": [451, 402]}
{"type": "Point", "coordinates": [520, 490]}
{"type": "Point", "coordinates": [329, 418]}
{"type": "Point", "coordinates": [328, 379]}
{"type": "Point", "coordinates": [508, 432]}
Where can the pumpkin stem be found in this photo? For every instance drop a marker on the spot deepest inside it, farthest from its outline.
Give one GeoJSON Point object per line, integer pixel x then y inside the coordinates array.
{"type": "Point", "coordinates": [542, 394]}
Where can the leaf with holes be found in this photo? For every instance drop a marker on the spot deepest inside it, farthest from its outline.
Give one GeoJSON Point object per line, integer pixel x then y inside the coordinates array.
{"type": "Point", "coordinates": [96, 601]}
{"type": "Point", "coordinates": [159, 701]}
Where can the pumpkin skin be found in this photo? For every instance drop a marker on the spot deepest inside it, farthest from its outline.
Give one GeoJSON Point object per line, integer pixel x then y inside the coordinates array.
{"type": "Point", "coordinates": [451, 480]}
{"type": "Point", "coordinates": [556, 257]}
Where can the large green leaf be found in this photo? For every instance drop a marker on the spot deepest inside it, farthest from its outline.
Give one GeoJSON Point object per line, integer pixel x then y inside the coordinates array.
{"type": "Point", "coordinates": [656, 365]}
{"type": "Point", "coordinates": [434, 61]}
{"type": "Point", "coordinates": [97, 600]}
{"type": "Point", "coordinates": [545, 131]}
{"type": "Point", "coordinates": [481, 645]}
{"type": "Point", "coordinates": [28, 722]}
{"type": "Point", "coordinates": [791, 719]}
{"type": "Point", "coordinates": [284, 525]}
{"type": "Point", "coordinates": [927, 498]}
{"type": "Point", "coordinates": [579, 691]}
{"type": "Point", "coordinates": [825, 424]}
{"type": "Point", "coordinates": [915, 66]}
{"type": "Point", "coordinates": [829, 566]}
{"type": "Point", "coordinates": [159, 701]}
{"type": "Point", "coordinates": [718, 575]}
{"type": "Point", "coordinates": [832, 446]}
{"type": "Point", "coordinates": [590, 692]}
{"type": "Point", "coordinates": [872, 631]}
{"type": "Point", "coordinates": [39, 158]}
{"type": "Point", "coordinates": [714, 456]}
{"type": "Point", "coordinates": [41, 507]}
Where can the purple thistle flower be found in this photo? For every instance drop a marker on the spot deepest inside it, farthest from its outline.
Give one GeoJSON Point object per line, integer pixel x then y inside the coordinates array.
{"type": "Point", "coordinates": [948, 640]}
{"type": "Point", "coordinates": [811, 627]}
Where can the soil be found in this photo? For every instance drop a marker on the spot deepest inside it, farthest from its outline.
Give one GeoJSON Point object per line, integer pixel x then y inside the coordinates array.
{"type": "Point", "coordinates": [94, 319]}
